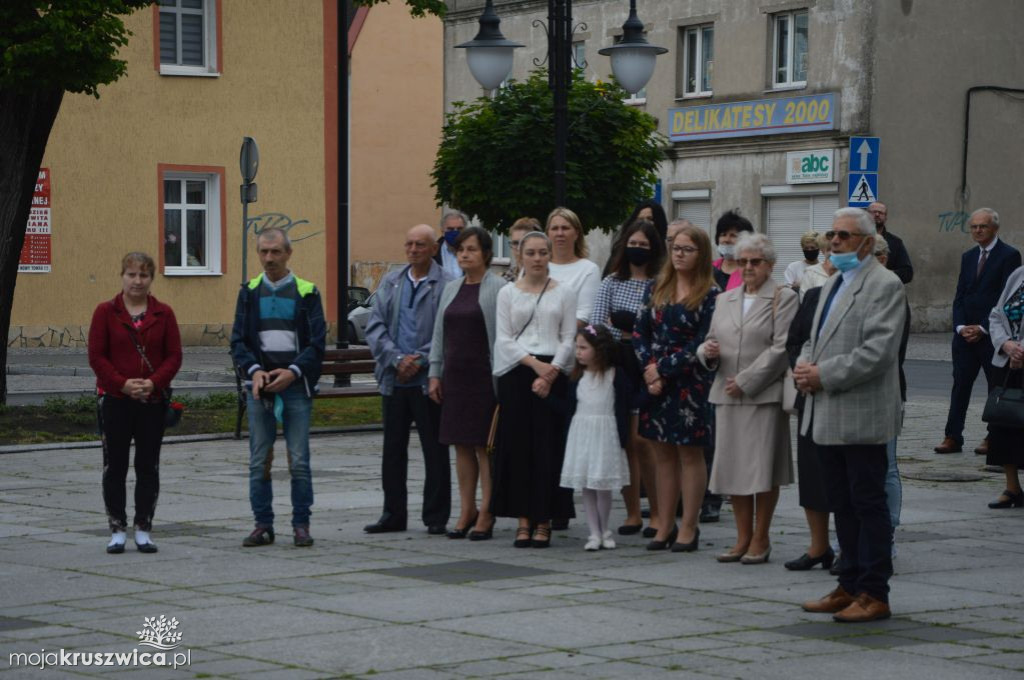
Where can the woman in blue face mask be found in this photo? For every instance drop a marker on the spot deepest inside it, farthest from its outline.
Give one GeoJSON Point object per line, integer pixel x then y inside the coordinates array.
{"type": "Point", "coordinates": [728, 229]}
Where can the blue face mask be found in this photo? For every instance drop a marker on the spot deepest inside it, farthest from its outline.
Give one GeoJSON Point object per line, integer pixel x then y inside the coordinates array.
{"type": "Point", "coordinates": [844, 262]}
{"type": "Point", "coordinates": [450, 236]}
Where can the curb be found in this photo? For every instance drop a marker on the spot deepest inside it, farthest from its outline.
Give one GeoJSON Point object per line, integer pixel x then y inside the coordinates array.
{"type": "Point", "coordinates": [181, 439]}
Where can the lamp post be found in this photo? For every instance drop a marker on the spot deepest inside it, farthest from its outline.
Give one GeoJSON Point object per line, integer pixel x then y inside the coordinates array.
{"type": "Point", "coordinates": [489, 56]}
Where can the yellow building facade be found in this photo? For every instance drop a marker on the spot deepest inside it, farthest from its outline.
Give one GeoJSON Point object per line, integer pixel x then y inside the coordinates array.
{"type": "Point", "coordinates": [153, 164]}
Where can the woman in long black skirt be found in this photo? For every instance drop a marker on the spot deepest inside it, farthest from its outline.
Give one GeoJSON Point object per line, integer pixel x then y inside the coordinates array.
{"type": "Point", "coordinates": [536, 324]}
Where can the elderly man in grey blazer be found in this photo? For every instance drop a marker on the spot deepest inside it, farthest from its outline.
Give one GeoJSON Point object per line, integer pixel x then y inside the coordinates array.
{"type": "Point", "coordinates": [849, 371]}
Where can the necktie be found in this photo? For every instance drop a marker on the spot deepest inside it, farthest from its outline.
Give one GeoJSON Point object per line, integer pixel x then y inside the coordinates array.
{"type": "Point", "coordinates": [981, 263]}
{"type": "Point", "coordinates": [828, 302]}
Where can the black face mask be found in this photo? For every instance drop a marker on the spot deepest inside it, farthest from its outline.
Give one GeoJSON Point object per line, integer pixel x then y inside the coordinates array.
{"type": "Point", "coordinates": [811, 254]}
{"type": "Point", "coordinates": [638, 256]}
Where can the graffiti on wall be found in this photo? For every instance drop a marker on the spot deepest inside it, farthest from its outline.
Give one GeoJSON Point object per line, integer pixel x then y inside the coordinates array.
{"type": "Point", "coordinates": [953, 221]}
{"type": "Point", "coordinates": [297, 230]}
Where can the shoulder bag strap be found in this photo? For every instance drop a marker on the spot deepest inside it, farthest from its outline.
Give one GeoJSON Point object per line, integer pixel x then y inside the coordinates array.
{"type": "Point", "coordinates": [142, 353]}
{"type": "Point", "coordinates": [534, 312]}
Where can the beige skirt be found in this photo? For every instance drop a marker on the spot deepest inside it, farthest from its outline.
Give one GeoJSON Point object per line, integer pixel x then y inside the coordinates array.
{"type": "Point", "coordinates": [752, 449]}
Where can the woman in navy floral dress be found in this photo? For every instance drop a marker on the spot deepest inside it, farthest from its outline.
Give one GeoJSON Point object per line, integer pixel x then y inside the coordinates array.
{"type": "Point", "coordinates": [674, 320]}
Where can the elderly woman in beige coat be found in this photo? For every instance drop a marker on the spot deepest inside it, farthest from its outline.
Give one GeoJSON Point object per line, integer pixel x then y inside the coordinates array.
{"type": "Point", "coordinates": [747, 345]}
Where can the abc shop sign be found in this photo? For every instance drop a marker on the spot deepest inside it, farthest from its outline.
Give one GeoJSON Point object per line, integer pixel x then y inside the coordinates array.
{"type": "Point", "coordinates": [804, 167]}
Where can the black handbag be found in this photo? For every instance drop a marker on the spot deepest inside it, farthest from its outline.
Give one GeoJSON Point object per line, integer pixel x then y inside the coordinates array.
{"type": "Point", "coordinates": [1005, 406]}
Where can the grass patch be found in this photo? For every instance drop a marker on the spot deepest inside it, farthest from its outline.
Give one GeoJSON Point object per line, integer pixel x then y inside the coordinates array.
{"type": "Point", "coordinates": [70, 420]}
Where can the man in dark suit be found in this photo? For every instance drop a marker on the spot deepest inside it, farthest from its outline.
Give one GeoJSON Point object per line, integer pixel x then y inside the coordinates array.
{"type": "Point", "coordinates": [899, 259]}
{"type": "Point", "coordinates": [983, 273]}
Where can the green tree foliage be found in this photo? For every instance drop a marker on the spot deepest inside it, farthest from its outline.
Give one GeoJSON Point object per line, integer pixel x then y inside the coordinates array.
{"type": "Point", "coordinates": [496, 158]}
{"type": "Point", "coordinates": [70, 45]}
{"type": "Point", "coordinates": [417, 8]}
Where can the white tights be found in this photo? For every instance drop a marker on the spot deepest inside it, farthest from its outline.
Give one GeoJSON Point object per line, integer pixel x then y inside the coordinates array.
{"type": "Point", "coordinates": [598, 506]}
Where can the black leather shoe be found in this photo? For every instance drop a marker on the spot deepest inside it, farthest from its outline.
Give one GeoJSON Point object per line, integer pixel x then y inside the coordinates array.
{"type": "Point", "coordinates": [837, 565]}
{"type": "Point", "coordinates": [710, 514]}
{"type": "Point", "coordinates": [692, 546]}
{"type": "Point", "coordinates": [1008, 499]}
{"type": "Point", "coordinates": [485, 535]}
{"type": "Point", "coordinates": [115, 548]}
{"type": "Point", "coordinates": [630, 529]}
{"type": "Point", "coordinates": [382, 527]}
{"type": "Point", "coordinates": [662, 545]}
{"type": "Point", "coordinates": [437, 529]}
{"type": "Point", "coordinates": [146, 547]}
{"type": "Point", "coordinates": [650, 532]}
{"type": "Point", "coordinates": [805, 561]}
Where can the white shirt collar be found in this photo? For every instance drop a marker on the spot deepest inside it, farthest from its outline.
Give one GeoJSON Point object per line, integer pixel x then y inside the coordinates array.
{"type": "Point", "coordinates": [990, 246]}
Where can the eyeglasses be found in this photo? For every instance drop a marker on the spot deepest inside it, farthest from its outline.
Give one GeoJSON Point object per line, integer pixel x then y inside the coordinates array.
{"type": "Point", "coordinates": [683, 250]}
{"type": "Point", "coordinates": [752, 261]}
{"type": "Point", "coordinates": [842, 234]}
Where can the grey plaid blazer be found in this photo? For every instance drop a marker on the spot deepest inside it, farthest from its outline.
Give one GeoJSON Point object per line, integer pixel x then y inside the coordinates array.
{"type": "Point", "coordinates": [857, 356]}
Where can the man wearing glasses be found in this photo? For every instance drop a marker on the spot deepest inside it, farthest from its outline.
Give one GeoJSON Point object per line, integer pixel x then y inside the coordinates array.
{"type": "Point", "coordinates": [983, 273]}
{"type": "Point", "coordinates": [849, 371]}
{"type": "Point", "coordinates": [899, 259]}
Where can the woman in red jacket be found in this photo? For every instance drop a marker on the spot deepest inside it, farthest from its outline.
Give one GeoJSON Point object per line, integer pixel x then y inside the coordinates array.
{"type": "Point", "coordinates": [135, 351]}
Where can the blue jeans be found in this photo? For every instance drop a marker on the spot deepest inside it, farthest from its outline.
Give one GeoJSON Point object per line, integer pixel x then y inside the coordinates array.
{"type": "Point", "coordinates": [262, 432]}
{"type": "Point", "coordinates": [893, 485]}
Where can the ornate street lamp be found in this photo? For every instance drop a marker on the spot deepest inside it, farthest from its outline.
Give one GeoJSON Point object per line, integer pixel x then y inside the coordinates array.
{"type": "Point", "coordinates": [490, 60]}
{"type": "Point", "coordinates": [633, 57]}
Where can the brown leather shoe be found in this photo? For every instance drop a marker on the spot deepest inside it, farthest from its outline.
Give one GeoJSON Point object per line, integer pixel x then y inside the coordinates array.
{"type": "Point", "coordinates": [865, 608]}
{"type": "Point", "coordinates": [835, 601]}
{"type": "Point", "coordinates": [982, 448]}
{"type": "Point", "coordinates": [949, 445]}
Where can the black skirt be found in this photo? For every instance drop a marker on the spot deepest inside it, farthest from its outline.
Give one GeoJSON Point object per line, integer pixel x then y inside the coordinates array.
{"type": "Point", "coordinates": [1004, 446]}
{"type": "Point", "coordinates": [809, 476]}
{"type": "Point", "coordinates": [530, 446]}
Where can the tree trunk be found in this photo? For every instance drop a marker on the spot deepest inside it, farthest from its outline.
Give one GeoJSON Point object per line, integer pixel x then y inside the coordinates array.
{"type": "Point", "coordinates": [26, 118]}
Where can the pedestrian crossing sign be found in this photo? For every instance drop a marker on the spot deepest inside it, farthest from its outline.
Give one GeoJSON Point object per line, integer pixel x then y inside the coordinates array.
{"type": "Point", "coordinates": [863, 189]}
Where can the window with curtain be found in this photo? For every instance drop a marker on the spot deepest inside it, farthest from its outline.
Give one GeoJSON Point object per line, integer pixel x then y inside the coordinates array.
{"type": "Point", "coordinates": [187, 37]}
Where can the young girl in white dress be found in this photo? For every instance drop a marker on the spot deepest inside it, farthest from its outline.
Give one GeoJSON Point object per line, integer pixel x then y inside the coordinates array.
{"type": "Point", "coordinates": [598, 402]}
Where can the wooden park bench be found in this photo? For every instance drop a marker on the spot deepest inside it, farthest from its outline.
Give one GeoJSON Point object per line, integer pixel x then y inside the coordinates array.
{"type": "Point", "coordinates": [337, 362]}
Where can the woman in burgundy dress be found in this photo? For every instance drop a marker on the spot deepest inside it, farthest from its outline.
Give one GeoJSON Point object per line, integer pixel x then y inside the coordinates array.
{"type": "Point", "coordinates": [460, 376]}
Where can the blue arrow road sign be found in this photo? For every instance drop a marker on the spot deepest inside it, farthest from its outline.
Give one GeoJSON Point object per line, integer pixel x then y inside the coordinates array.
{"type": "Point", "coordinates": [863, 189]}
{"type": "Point", "coordinates": [864, 154]}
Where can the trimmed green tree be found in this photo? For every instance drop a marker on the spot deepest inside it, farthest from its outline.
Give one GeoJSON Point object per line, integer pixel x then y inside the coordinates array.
{"type": "Point", "coordinates": [496, 158]}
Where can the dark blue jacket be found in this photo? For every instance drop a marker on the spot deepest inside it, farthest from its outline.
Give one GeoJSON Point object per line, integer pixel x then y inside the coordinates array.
{"type": "Point", "coordinates": [309, 325]}
{"type": "Point", "coordinates": [975, 297]}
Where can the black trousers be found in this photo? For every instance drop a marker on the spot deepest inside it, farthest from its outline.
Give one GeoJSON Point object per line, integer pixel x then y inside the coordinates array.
{"type": "Point", "coordinates": [854, 477]}
{"type": "Point", "coordinates": [405, 406]}
{"type": "Point", "coordinates": [124, 420]}
{"type": "Point", "coordinates": [968, 359]}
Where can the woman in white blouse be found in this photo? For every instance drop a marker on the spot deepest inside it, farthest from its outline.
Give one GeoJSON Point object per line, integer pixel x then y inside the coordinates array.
{"type": "Point", "coordinates": [569, 264]}
{"type": "Point", "coordinates": [536, 325]}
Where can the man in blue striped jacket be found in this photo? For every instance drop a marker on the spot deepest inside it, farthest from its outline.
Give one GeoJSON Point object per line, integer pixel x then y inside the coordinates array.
{"type": "Point", "coordinates": [278, 341]}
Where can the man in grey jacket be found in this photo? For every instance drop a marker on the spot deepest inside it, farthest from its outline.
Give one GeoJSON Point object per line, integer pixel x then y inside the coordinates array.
{"type": "Point", "coordinates": [849, 370]}
{"type": "Point", "coordinates": [399, 332]}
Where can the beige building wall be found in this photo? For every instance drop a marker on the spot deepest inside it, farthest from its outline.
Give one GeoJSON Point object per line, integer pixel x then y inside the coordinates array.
{"type": "Point", "coordinates": [275, 83]}
{"type": "Point", "coordinates": [396, 128]}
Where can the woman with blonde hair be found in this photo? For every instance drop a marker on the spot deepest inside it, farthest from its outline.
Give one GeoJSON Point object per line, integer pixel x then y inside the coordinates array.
{"type": "Point", "coordinates": [569, 264]}
{"type": "Point", "coordinates": [795, 270]}
{"type": "Point", "coordinates": [678, 418]}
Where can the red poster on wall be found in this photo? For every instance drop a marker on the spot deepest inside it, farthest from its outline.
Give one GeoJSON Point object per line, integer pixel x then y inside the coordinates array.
{"type": "Point", "coordinates": [36, 254]}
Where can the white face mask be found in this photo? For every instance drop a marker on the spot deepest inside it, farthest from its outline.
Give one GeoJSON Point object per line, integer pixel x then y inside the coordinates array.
{"type": "Point", "coordinates": [727, 250]}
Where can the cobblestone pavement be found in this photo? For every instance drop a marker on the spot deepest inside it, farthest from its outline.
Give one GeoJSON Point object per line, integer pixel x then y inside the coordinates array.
{"type": "Point", "coordinates": [414, 606]}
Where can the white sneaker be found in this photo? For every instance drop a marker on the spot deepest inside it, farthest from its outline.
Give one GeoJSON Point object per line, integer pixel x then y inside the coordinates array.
{"type": "Point", "coordinates": [607, 542]}
{"type": "Point", "coordinates": [593, 543]}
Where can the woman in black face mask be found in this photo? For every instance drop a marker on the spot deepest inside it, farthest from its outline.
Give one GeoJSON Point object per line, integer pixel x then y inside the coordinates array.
{"type": "Point", "coordinates": [633, 266]}
{"type": "Point", "coordinates": [795, 270]}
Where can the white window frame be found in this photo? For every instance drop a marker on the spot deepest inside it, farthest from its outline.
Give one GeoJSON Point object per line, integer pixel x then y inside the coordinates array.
{"type": "Point", "coordinates": [212, 227]}
{"type": "Point", "coordinates": [210, 67]}
{"type": "Point", "coordinates": [790, 47]}
{"type": "Point", "coordinates": [690, 33]}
